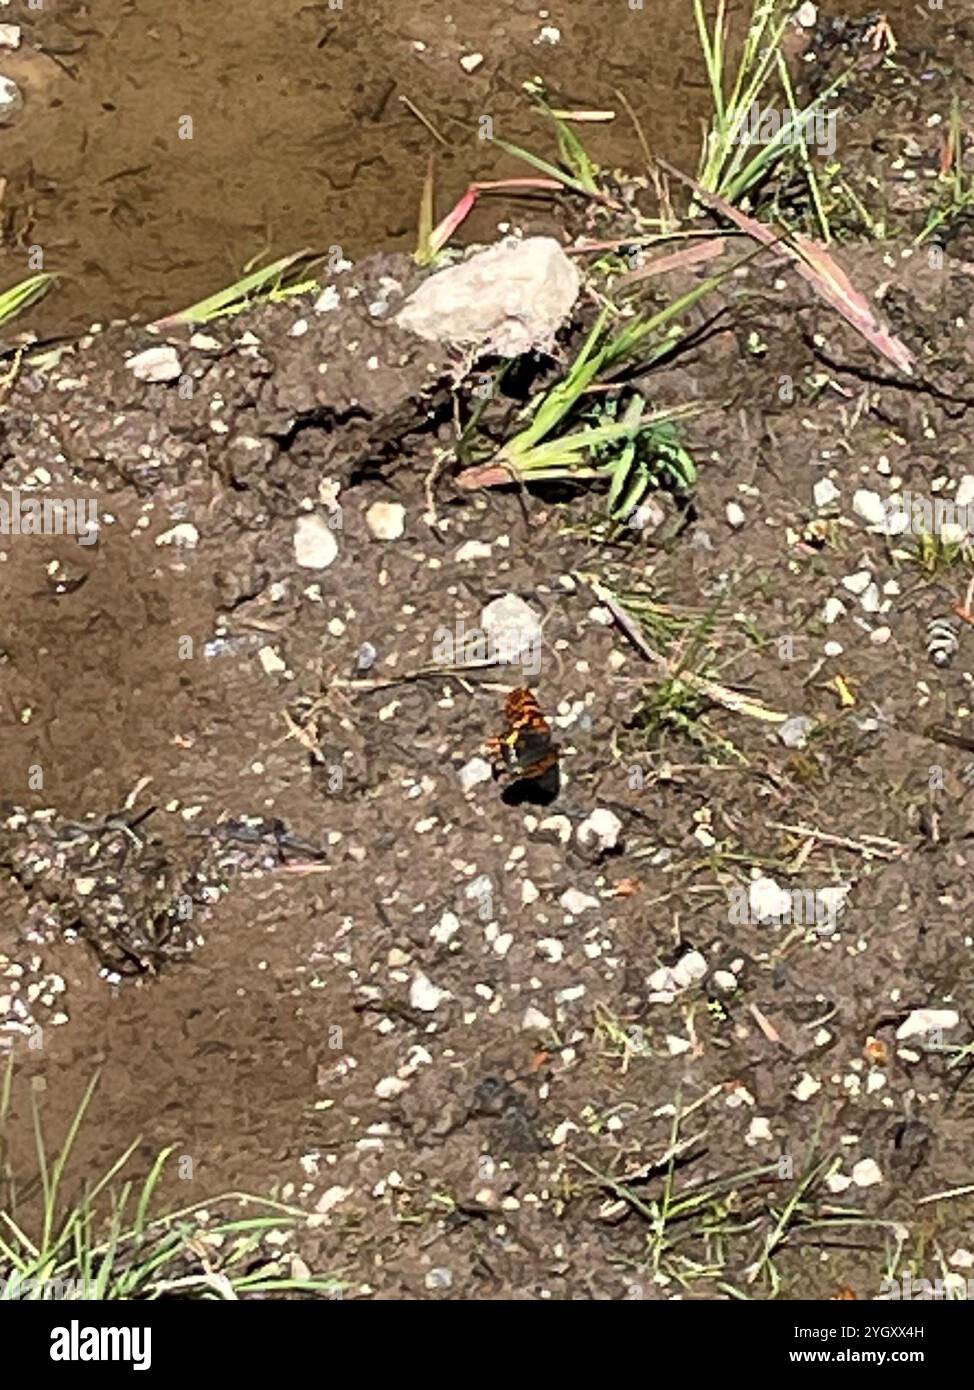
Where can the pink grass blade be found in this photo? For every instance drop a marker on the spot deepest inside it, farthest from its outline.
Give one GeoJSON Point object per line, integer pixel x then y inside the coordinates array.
{"type": "Point", "coordinates": [822, 271]}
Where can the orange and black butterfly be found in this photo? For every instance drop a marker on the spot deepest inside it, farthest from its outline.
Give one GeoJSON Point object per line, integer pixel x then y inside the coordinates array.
{"type": "Point", "coordinates": [524, 751]}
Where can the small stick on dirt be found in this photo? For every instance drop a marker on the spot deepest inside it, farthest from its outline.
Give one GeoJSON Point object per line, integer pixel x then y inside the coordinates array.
{"type": "Point", "coordinates": [869, 845]}
{"type": "Point", "coordinates": [424, 120]}
{"type": "Point", "coordinates": [660, 184]}
{"type": "Point", "coordinates": [307, 740]}
{"type": "Point", "coordinates": [133, 795]}
{"type": "Point", "coordinates": [446, 669]}
{"type": "Point", "coordinates": [730, 699]}
{"type": "Point", "coordinates": [676, 260]}
{"type": "Point", "coordinates": [947, 1194]}
{"type": "Point", "coordinates": [766, 1026]}
{"type": "Point", "coordinates": [429, 487]}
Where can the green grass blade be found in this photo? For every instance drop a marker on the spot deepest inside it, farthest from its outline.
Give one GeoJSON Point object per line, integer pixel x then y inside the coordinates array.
{"type": "Point", "coordinates": [17, 298]}
{"type": "Point", "coordinates": [424, 240]}
{"type": "Point", "coordinates": [238, 295]}
{"type": "Point", "coordinates": [543, 166]}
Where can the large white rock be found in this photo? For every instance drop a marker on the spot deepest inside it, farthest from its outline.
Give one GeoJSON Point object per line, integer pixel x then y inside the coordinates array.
{"type": "Point", "coordinates": [507, 300]}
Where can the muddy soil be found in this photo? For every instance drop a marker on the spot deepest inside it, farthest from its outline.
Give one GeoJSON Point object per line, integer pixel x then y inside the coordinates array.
{"type": "Point", "coordinates": [299, 134]}
{"type": "Point", "coordinates": [247, 871]}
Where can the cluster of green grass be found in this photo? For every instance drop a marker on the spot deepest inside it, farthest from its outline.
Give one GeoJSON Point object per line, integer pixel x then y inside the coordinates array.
{"type": "Point", "coordinates": [104, 1242]}
{"type": "Point", "coordinates": [728, 165]}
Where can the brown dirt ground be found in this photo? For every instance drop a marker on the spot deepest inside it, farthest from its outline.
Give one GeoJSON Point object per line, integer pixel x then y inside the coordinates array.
{"type": "Point", "coordinates": [259, 1034]}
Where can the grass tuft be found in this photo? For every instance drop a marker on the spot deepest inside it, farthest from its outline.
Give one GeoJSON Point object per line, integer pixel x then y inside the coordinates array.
{"type": "Point", "coordinates": [104, 1244]}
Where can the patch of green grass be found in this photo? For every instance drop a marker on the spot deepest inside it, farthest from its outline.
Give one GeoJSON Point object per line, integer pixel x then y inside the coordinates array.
{"type": "Point", "coordinates": [105, 1244]}
{"type": "Point", "coordinates": [543, 451]}
{"type": "Point", "coordinates": [646, 461]}
{"type": "Point", "coordinates": [678, 703]}
{"type": "Point", "coordinates": [727, 166]}
{"type": "Point", "coordinates": [933, 554]}
{"type": "Point", "coordinates": [617, 1039]}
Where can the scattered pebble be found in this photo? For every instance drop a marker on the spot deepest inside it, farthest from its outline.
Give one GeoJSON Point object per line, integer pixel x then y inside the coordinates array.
{"type": "Point", "coordinates": [922, 1021]}
{"type": "Point", "coordinates": [767, 901]}
{"type": "Point", "coordinates": [866, 1173]}
{"type": "Point", "coordinates": [689, 970]}
{"type": "Point", "coordinates": [474, 772]}
{"type": "Point", "coordinates": [328, 300]}
{"type": "Point", "coordinates": [857, 583]}
{"type": "Point", "coordinates": [425, 996]}
{"type": "Point", "coordinates": [11, 99]}
{"type": "Point", "coordinates": [759, 1131]}
{"type": "Point", "coordinates": [315, 545]}
{"type": "Point", "coordinates": [155, 363]}
{"type": "Point", "coordinates": [445, 929]}
{"type": "Point", "coordinates": [794, 732]}
{"type": "Point", "coordinates": [331, 1198]}
{"type": "Point", "coordinates": [825, 493]}
{"type": "Point", "coordinates": [473, 550]}
{"type": "Point", "coordinates": [870, 507]}
{"type": "Point", "coordinates": [577, 902]}
{"type": "Point", "coordinates": [185, 536]}
{"type": "Point", "coordinates": [534, 1021]}
{"type": "Point", "coordinates": [386, 520]}
{"type": "Point", "coordinates": [807, 1087]}
{"type": "Point", "coordinates": [390, 1087]}
{"type": "Point", "coordinates": [600, 830]}
{"type": "Point", "coordinates": [271, 662]}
